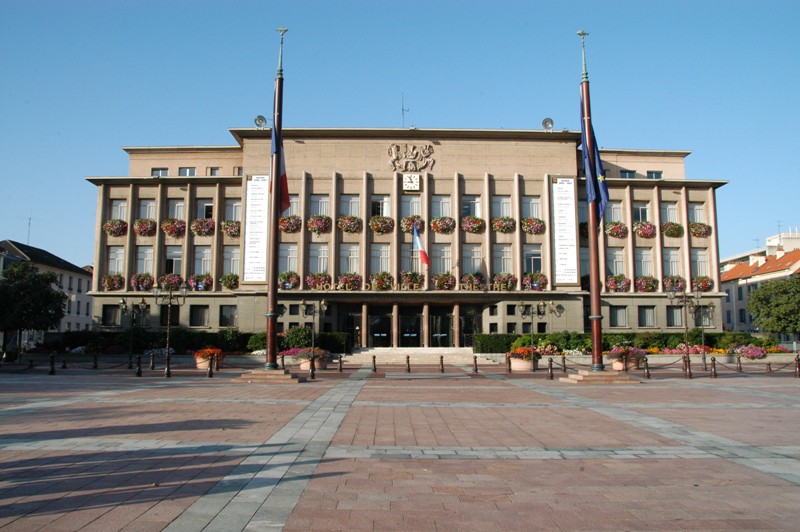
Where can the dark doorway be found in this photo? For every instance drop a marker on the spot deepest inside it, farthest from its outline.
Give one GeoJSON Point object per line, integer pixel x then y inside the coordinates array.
{"type": "Point", "coordinates": [441, 327]}
{"type": "Point", "coordinates": [350, 322]}
{"type": "Point", "coordinates": [380, 326]}
{"type": "Point", "coordinates": [410, 326]}
{"type": "Point", "coordinates": [471, 324]}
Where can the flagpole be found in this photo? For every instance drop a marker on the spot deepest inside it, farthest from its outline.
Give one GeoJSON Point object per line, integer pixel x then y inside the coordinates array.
{"type": "Point", "coordinates": [595, 316]}
{"type": "Point", "coordinates": [274, 214]}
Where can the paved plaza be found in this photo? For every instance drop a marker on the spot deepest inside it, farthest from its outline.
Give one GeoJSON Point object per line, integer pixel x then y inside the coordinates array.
{"type": "Point", "coordinates": [103, 450]}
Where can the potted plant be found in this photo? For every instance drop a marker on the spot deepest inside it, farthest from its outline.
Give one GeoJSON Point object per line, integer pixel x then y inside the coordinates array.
{"type": "Point", "coordinates": [203, 226]}
{"type": "Point", "coordinates": [618, 283]}
{"type": "Point", "coordinates": [616, 229]}
{"type": "Point", "coordinates": [170, 282]}
{"type": "Point", "coordinates": [644, 229]}
{"type": "Point", "coordinates": [473, 281]}
{"type": "Point", "coordinates": [645, 283]}
{"type": "Point", "coordinates": [750, 351]}
{"type": "Point", "coordinates": [173, 227]}
{"type": "Point", "coordinates": [536, 281]}
{"type": "Point", "coordinates": [504, 281]}
{"type": "Point", "coordinates": [472, 224]}
{"type": "Point", "coordinates": [349, 224]}
{"type": "Point", "coordinates": [672, 229]}
{"type": "Point", "coordinates": [318, 224]}
{"type": "Point", "coordinates": [381, 225]}
{"type": "Point", "coordinates": [411, 280]}
{"type": "Point", "coordinates": [115, 227]}
{"type": "Point", "coordinates": [203, 357]}
{"type": "Point", "coordinates": [443, 225]}
{"type": "Point", "coordinates": [443, 281]}
{"type": "Point", "coordinates": [504, 224]}
{"type": "Point", "coordinates": [533, 226]}
{"type": "Point", "coordinates": [408, 223]}
{"type": "Point", "coordinates": [231, 228]}
{"type": "Point", "coordinates": [303, 356]}
{"type": "Point", "coordinates": [288, 280]}
{"type": "Point", "coordinates": [111, 282]}
{"type": "Point", "coordinates": [141, 281]}
{"type": "Point", "coordinates": [674, 283]}
{"type": "Point", "coordinates": [703, 283]}
{"type": "Point", "coordinates": [623, 352]}
{"type": "Point", "coordinates": [350, 281]}
{"type": "Point", "coordinates": [381, 281]}
{"type": "Point", "coordinates": [523, 359]}
{"type": "Point", "coordinates": [290, 224]}
{"type": "Point", "coordinates": [200, 282]}
{"type": "Point", "coordinates": [318, 281]}
{"type": "Point", "coordinates": [699, 230]}
{"type": "Point", "coordinates": [230, 281]}
{"type": "Point", "coordinates": [145, 226]}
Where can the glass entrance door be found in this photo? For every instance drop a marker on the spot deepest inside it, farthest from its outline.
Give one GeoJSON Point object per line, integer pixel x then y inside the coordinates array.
{"type": "Point", "coordinates": [441, 328]}
{"type": "Point", "coordinates": [411, 327]}
{"type": "Point", "coordinates": [471, 324]}
{"type": "Point", "coordinates": [380, 327]}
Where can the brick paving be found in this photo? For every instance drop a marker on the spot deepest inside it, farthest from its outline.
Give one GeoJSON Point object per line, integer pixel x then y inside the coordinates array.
{"type": "Point", "coordinates": [103, 450]}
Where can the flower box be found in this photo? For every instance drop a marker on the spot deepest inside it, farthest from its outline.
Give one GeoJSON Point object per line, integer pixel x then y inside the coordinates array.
{"type": "Point", "coordinates": [411, 280]}
{"type": "Point", "coordinates": [349, 281]}
{"type": "Point", "coordinates": [318, 224]}
{"type": "Point", "coordinates": [381, 280]}
{"type": "Point", "coordinates": [533, 226]}
{"type": "Point", "coordinates": [674, 283]}
{"type": "Point", "coordinates": [443, 225]}
{"type": "Point", "coordinates": [200, 282]}
{"type": "Point", "coordinates": [672, 229]}
{"type": "Point", "coordinates": [173, 227]}
{"type": "Point", "coordinates": [318, 281]}
{"type": "Point", "coordinates": [115, 227]}
{"type": "Point", "coordinates": [290, 224]}
{"type": "Point", "coordinates": [111, 282]}
{"type": "Point", "coordinates": [536, 281]}
{"type": "Point", "coordinates": [145, 226]}
{"type": "Point", "coordinates": [443, 281]}
{"type": "Point", "coordinates": [473, 281]}
{"type": "Point", "coordinates": [231, 228]}
{"type": "Point", "coordinates": [618, 283]}
{"type": "Point", "coordinates": [204, 356]}
{"type": "Point", "coordinates": [349, 224]}
{"type": "Point", "coordinates": [699, 230]}
{"type": "Point", "coordinates": [644, 229]}
{"type": "Point", "coordinates": [645, 283]}
{"type": "Point", "coordinates": [288, 280]}
{"type": "Point", "coordinates": [504, 281]}
{"type": "Point", "coordinates": [408, 223]}
{"type": "Point", "coordinates": [381, 225]}
{"type": "Point", "coordinates": [702, 283]}
{"type": "Point", "coordinates": [170, 282]}
{"type": "Point", "coordinates": [473, 224]}
{"type": "Point", "coordinates": [504, 224]}
{"type": "Point", "coordinates": [142, 281]}
{"type": "Point", "coordinates": [203, 227]}
{"type": "Point", "coordinates": [616, 229]}
{"type": "Point", "coordinates": [230, 281]}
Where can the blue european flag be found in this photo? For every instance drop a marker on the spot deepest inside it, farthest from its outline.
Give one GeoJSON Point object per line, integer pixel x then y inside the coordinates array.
{"type": "Point", "coordinates": [596, 188]}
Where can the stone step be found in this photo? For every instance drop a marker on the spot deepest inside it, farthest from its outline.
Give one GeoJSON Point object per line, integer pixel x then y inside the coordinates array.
{"type": "Point", "coordinates": [272, 376]}
{"type": "Point", "coordinates": [599, 377]}
{"type": "Point", "coordinates": [399, 357]}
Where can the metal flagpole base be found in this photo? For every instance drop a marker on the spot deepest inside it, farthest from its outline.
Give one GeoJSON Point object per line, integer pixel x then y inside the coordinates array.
{"type": "Point", "coordinates": [271, 365]}
{"type": "Point", "coordinates": [598, 367]}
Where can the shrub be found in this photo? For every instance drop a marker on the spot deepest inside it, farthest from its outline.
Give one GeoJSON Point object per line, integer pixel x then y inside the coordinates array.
{"type": "Point", "coordinates": [298, 337]}
{"type": "Point", "coordinates": [257, 341]}
{"type": "Point", "coordinates": [494, 343]}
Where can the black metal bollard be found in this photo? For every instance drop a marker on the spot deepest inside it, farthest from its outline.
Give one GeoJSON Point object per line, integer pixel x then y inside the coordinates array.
{"type": "Point", "coordinates": [625, 362]}
{"type": "Point", "coordinates": [374, 365]}
{"type": "Point", "coordinates": [217, 362]}
{"type": "Point", "coordinates": [30, 364]}
{"type": "Point", "coordinates": [508, 364]}
{"type": "Point", "coordinates": [152, 360]}
{"type": "Point", "coordinates": [474, 363]}
{"type": "Point", "coordinates": [705, 366]}
{"type": "Point", "coordinates": [210, 370]}
{"type": "Point", "coordinates": [713, 367]}
{"type": "Point", "coordinates": [769, 367]}
{"type": "Point", "coordinates": [408, 364]}
{"type": "Point", "coordinates": [550, 368]}
{"type": "Point", "coordinates": [534, 363]}
{"type": "Point", "coordinates": [797, 367]}
{"type": "Point", "coordinates": [739, 363]}
{"type": "Point", "coordinates": [563, 363]}
{"type": "Point", "coordinates": [94, 361]}
{"type": "Point", "coordinates": [52, 364]}
{"type": "Point", "coordinates": [340, 364]}
{"type": "Point", "coordinates": [441, 363]}
{"type": "Point", "coordinates": [313, 367]}
{"type": "Point", "coordinates": [138, 365]}
{"type": "Point", "coordinates": [646, 368]}
{"type": "Point", "coordinates": [283, 361]}
{"type": "Point", "coordinates": [688, 367]}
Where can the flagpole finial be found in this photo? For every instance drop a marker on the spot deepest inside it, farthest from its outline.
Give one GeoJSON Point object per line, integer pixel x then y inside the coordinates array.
{"type": "Point", "coordinates": [582, 34]}
{"type": "Point", "coordinates": [281, 30]}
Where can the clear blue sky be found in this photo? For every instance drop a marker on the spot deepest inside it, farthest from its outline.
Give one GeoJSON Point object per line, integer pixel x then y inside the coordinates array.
{"type": "Point", "coordinates": [80, 79]}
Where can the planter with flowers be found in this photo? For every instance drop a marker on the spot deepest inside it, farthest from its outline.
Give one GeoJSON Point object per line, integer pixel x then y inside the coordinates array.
{"type": "Point", "coordinates": [116, 227]}
{"type": "Point", "coordinates": [616, 229]}
{"type": "Point", "coordinates": [444, 225]}
{"type": "Point", "coordinates": [318, 281]}
{"type": "Point", "coordinates": [350, 281]}
{"type": "Point", "coordinates": [536, 281]}
{"type": "Point", "coordinates": [203, 357]}
{"type": "Point", "coordinates": [504, 224]}
{"type": "Point", "coordinates": [288, 280]}
{"type": "Point", "coordinates": [622, 353]}
{"type": "Point", "coordinates": [112, 282]}
{"type": "Point", "coordinates": [145, 226]}
{"type": "Point", "coordinates": [526, 358]}
{"type": "Point", "coordinates": [318, 224]}
{"type": "Point", "coordinates": [142, 281]}
{"type": "Point", "coordinates": [231, 228]}
{"type": "Point", "coordinates": [173, 227]}
{"type": "Point", "coordinates": [699, 230]}
{"type": "Point", "coordinates": [203, 226]}
{"type": "Point", "coordinates": [674, 283]}
{"type": "Point", "coordinates": [443, 281]}
{"type": "Point", "coordinates": [381, 225]}
{"type": "Point", "coordinates": [411, 280]}
{"type": "Point", "coordinates": [533, 226]}
{"type": "Point", "coordinates": [618, 283]}
{"type": "Point", "coordinates": [504, 281]}
{"type": "Point", "coordinates": [473, 281]}
{"type": "Point", "coordinates": [750, 351]}
{"type": "Point", "coordinates": [290, 224]}
{"type": "Point", "coordinates": [230, 281]}
{"type": "Point", "coordinates": [381, 280]}
{"type": "Point", "coordinates": [349, 224]}
{"type": "Point", "coordinates": [170, 282]}
{"type": "Point", "coordinates": [408, 223]}
{"type": "Point", "coordinates": [703, 283]}
{"type": "Point", "coordinates": [644, 229]}
{"type": "Point", "coordinates": [645, 283]}
{"type": "Point", "coordinates": [200, 282]}
{"type": "Point", "coordinates": [303, 356]}
{"type": "Point", "coordinates": [672, 229]}
{"type": "Point", "coordinates": [473, 224]}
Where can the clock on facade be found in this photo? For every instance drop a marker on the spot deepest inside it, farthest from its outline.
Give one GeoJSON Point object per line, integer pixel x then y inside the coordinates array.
{"type": "Point", "coordinates": [410, 181]}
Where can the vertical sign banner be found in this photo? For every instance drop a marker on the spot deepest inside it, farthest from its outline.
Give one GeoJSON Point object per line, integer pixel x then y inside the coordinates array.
{"type": "Point", "coordinates": [255, 229]}
{"type": "Point", "coordinates": [564, 234]}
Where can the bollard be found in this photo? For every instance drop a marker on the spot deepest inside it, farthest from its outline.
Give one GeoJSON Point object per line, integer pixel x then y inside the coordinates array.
{"type": "Point", "coordinates": [563, 363]}
{"type": "Point", "coordinates": [52, 364]}
{"type": "Point", "coordinates": [441, 363]}
{"type": "Point", "coordinates": [408, 364]}
{"type": "Point", "coordinates": [705, 366]}
{"type": "Point", "coordinates": [94, 361]}
{"type": "Point", "coordinates": [550, 368]}
{"type": "Point", "coordinates": [534, 363]}
{"type": "Point", "coordinates": [474, 363]}
{"type": "Point", "coordinates": [30, 364]}
{"type": "Point", "coordinates": [769, 367]}
{"type": "Point", "coordinates": [508, 364]}
{"type": "Point", "coordinates": [797, 367]}
{"type": "Point", "coordinates": [625, 362]}
{"type": "Point", "coordinates": [138, 365]}
{"type": "Point", "coordinates": [313, 367]}
{"type": "Point", "coordinates": [340, 363]}
{"type": "Point", "coordinates": [739, 363]}
{"type": "Point", "coordinates": [63, 363]}
{"type": "Point", "coordinates": [283, 361]}
{"type": "Point", "coordinates": [152, 360]}
{"type": "Point", "coordinates": [713, 367]}
{"type": "Point", "coordinates": [646, 368]}
{"type": "Point", "coordinates": [688, 367]}
{"type": "Point", "coordinates": [210, 371]}
{"type": "Point", "coordinates": [216, 362]}
{"type": "Point", "coordinates": [374, 366]}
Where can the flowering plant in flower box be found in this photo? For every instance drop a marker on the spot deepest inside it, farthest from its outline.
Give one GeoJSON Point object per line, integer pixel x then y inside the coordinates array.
{"type": "Point", "coordinates": [699, 230]}
{"type": "Point", "coordinates": [112, 282]}
{"type": "Point", "coordinates": [473, 224]}
{"type": "Point", "coordinates": [645, 283]}
{"type": "Point", "coordinates": [381, 280]}
{"type": "Point", "coordinates": [231, 228]}
{"type": "Point", "coordinates": [141, 281]}
{"type": "Point", "coordinates": [116, 227]}
{"type": "Point", "coordinates": [674, 283]}
{"type": "Point", "coordinates": [504, 224]}
{"type": "Point", "coordinates": [200, 282]}
{"type": "Point", "coordinates": [534, 281]}
{"type": "Point", "coordinates": [230, 281]}
{"type": "Point", "coordinates": [381, 225]}
{"type": "Point", "coordinates": [410, 279]}
{"type": "Point", "coordinates": [145, 226]}
{"type": "Point", "coordinates": [319, 223]}
{"type": "Point", "coordinates": [522, 353]}
{"type": "Point", "coordinates": [504, 281]}
{"type": "Point", "coordinates": [473, 281]}
{"type": "Point", "coordinates": [443, 281]}
{"type": "Point", "coordinates": [288, 280]}
{"type": "Point", "coordinates": [208, 352]}
{"type": "Point", "coordinates": [672, 229]}
{"type": "Point", "coordinates": [317, 281]}
{"type": "Point", "coordinates": [170, 282]}
{"type": "Point", "coordinates": [173, 227]}
{"type": "Point", "coordinates": [750, 351]}
{"type": "Point", "coordinates": [702, 282]}
{"type": "Point", "coordinates": [616, 229]}
{"type": "Point", "coordinates": [443, 225]}
{"type": "Point", "coordinates": [618, 283]}
{"type": "Point", "coordinates": [620, 351]}
{"type": "Point", "coordinates": [290, 224]}
{"type": "Point", "coordinates": [349, 224]}
{"type": "Point", "coordinates": [533, 226]}
{"type": "Point", "coordinates": [203, 226]}
{"type": "Point", "coordinates": [350, 281]}
{"type": "Point", "coordinates": [644, 229]}
{"type": "Point", "coordinates": [408, 223]}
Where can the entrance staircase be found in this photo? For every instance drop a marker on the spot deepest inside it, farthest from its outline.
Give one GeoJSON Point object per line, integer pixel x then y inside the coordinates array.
{"type": "Point", "coordinates": [417, 355]}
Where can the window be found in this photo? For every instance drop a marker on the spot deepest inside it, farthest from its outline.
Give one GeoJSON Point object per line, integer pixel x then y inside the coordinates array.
{"type": "Point", "coordinates": [501, 206]}
{"type": "Point", "coordinates": [643, 261]}
{"type": "Point", "coordinates": [175, 208]}
{"type": "Point", "coordinates": [699, 262]}
{"type": "Point", "coordinates": [702, 316]}
{"type": "Point", "coordinates": [727, 295]}
{"type": "Point", "coordinates": [742, 315]}
{"type": "Point", "coordinates": [187, 171]}
{"type": "Point", "coordinates": [198, 316]}
{"type": "Point", "coordinates": [493, 310]}
{"type": "Point", "coordinates": [615, 263]}
{"type": "Point", "coordinates": [159, 172]}
{"type": "Point", "coordinates": [410, 205]}
{"type": "Point", "coordinates": [647, 316]}
{"type": "Point", "coordinates": [348, 205]}
{"type": "Point", "coordinates": [230, 259]}
{"type": "Point", "coordinates": [119, 210]}
{"type": "Point", "coordinates": [318, 258]}
{"type": "Point", "coordinates": [69, 306]}
{"type": "Point", "coordinates": [613, 211]}
{"type": "Point", "coordinates": [440, 258]}
{"type": "Point", "coordinates": [584, 259]}
{"type": "Point", "coordinates": [641, 211]}
{"type": "Point", "coordinates": [379, 206]}
{"type": "Point", "coordinates": [739, 293]}
{"type": "Point", "coordinates": [511, 310]}
{"type": "Point", "coordinates": [672, 261]}
{"type": "Point", "coordinates": [531, 207]}
{"type": "Point", "coordinates": [80, 285]}
{"type": "Point", "coordinates": [440, 206]}
{"type": "Point", "coordinates": [88, 309]}
{"type": "Point", "coordinates": [227, 316]}
{"type": "Point", "coordinates": [627, 174]}
{"type": "Point", "coordinates": [379, 258]}
{"type": "Point", "coordinates": [492, 328]}
{"type": "Point", "coordinates": [470, 206]}
{"type": "Point", "coordinates": [238, 170]}
{"type": "Point", "coordinates": [147, 208]}
{"type": "Point", "coordinates": [294, 205]}
{"type": "Point", "coordinates": [174, 259]}
{"type": "Point", "coordinates": [116, 260]}
{"type": "Point", "coordinates": [409, 258]}
{"type": "Point", "coordinates": [212, 170]}
{"type": "Point", "coordinates": [287, 257]}
{"type": "Point", "coordinates": [294, 310]}
{"type": "Point", "coordinates": [618, 316]}
{"type": "Point", "coordinates": [669, 212]}
{"type": "Point", "coordinates": [583, 211]}
{"type": "Point", "coordinates": [110, 315]}
{"type": "Point", "coordinates": [205, 208]}
{"type": "Point", "coordinates": [696, 213]}
{"type": "Point", "coordinates": [511, 328]}
{"type": "Point", "coordinates": [144, 259]}
{"type": "Point", "coordinates": [728, 317]}
{"type": "Point", "coordinates": [348, 258]}
{"type": "Point", "coordinates": [654, 174]}
{"type": "Point", "coordinates": [501, 258]}
{"type": "Point", "coordinates": [674, 316]}
{"type": "Point", "coordinates": [233, 209]}
{"type": "Point", "coordinates": [69, 284]}
{"type": "Point", "coordinates": [320, 205]}
{"type": "Point", "coordinates": [532, 258]}
{"type": "Point", "coordinates": [202, 260]}
{"type": "Point", "coordinates": [472, 259]}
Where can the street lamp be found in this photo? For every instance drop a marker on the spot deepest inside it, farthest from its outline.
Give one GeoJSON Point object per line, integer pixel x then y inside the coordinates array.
{"type": "Point", "coordinates": [137, 311]}
{"type": "Point", "coordinates": [704, 312]}
{"type": "Point", "coordinates": [170, 297]}
{"type": "Point", "coordinates": [312, 310]}
{"type": "Point", "coordinates": [688, 303]}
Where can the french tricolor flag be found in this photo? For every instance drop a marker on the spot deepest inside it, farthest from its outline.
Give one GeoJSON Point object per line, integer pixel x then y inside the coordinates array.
{"type": "Point", "coordinates": [423, 255]}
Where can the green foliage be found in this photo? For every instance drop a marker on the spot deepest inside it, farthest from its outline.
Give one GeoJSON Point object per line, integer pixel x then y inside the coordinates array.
{"type": "Point", "coordinates": [336, 342]}
{"type": "Point", "coordinates": [257, 341]}
{"type": "Point", "coordinates": [298, 337]}
{"type": "Point", "coordinates": [695, 336]}
{"type": "Point", "coordinates": [231, 339]}
{"type": "Point", "coordinates": [28, 299]}
{"type": "Point", "coordinates": [730, 339]}
{"type": "Point", "coordinates": [775, 305]}
{"type": "Point", "coordinates": [493, 343]}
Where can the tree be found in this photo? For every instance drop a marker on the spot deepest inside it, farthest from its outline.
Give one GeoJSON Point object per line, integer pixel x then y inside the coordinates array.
{"type": "Point", "coordinates": [28, 300]}
{"type": "Point", "coordinates": [775, 306]}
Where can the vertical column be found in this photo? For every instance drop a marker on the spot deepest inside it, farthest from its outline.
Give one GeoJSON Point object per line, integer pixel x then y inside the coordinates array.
{"type": "Point", "coordinates": [655, 219]}
{"type": "Point", "coordinates": [305, 210]}
{"type": "Point", "coordinates": [713, 258]}
{"type": "Point", "coordinates": [630, 258]}
{"type": "Point", "coordinates": [426, 329]}
{"type": "Point", "coordinates": [100, 237]}
{"type": "Point", "coordinates": [516, 213]}
{"type": "Point", "coordinates": [456, 325]}
{"type": "Point", "coordinates": [333, 248]}
{"type": "Point", "coordinates": [686, 240]}
{"type": "Point", "coordinates": [395, 325]}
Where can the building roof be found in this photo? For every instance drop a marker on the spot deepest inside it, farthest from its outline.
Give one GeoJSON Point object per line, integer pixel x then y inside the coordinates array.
{"type": "Point", "coordinates": [771, 264]}
{"type": "Point", "coordinates": [40, 256]}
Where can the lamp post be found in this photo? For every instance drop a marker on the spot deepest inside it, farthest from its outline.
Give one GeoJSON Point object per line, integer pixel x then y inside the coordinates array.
{"type": "Point", "coordinates": [137, 311]}
{"type": "Point", "coordinates": [170, 296]}
{"type": "Point", "coordinates": [688, 303]}
{"type": "Point", "coordinates": [704, 312]}
{"type": "Point", "coordinates": [312, 310]}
